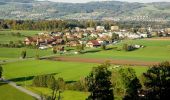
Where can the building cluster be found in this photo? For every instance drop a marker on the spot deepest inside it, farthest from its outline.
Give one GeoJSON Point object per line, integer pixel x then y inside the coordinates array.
{"type": "Point", "coordinates": [90, 37]}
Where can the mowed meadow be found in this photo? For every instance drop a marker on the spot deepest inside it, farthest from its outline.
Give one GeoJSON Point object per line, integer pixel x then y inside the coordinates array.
{"type": "Point", "coordinates": [154, 50]}
{"type": "Point", "coordinates": [22, 73]}
{"type": "Point", "coordinates": [8, 92]}
{"type": "Point", "coordinates": [69, 71]}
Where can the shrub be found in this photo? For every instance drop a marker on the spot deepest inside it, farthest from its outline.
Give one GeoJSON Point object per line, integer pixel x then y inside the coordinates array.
{"type": "Point", "coordinates": [44, 81]}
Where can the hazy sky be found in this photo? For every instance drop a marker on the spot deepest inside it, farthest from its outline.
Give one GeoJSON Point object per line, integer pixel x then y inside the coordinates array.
{"type": "Point", "coordinates": [82, 1]}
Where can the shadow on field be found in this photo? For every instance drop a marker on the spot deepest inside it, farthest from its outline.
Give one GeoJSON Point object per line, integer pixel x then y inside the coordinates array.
{"type": "Point", "coordinates": [67, 82]}
{"type": "Point", "coordinates": [27, 78]}
{"type": "Point", "coordinates": [20, 79]}
{"type": "Point", "coordinates": [92, 51]}
{"type": "Point", "coordinates": [110, 48]}
{"type": "Point", "coordinates": [2, 83]}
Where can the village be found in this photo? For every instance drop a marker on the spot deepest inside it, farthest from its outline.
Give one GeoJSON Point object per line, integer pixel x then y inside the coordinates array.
{"type": "Point", "coordinates": [92, 37]}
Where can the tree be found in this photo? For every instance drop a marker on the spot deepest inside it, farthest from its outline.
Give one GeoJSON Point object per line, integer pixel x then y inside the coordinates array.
{"type": "Point", "coordinates": [118, 85]}
{"type": "Point", "coordinates": [127, 47]}
{"type": "Point", "coordinates": [103, 46]}
{"type": "Point", "coordinates": [80, 47]}
{"type": "Point", "coordinates": [114, 36]}
{"type": "Point", "coordinates": [157, 82]}
{"type": "Point", "coordinates": [99, 83]}
{"type": "Point", "coordinates": [1, 70]}
{"type": "Point", "coordinates": [54, 50]}
{"type": "Point", "coordinates": [23, 54]}
{"type": "Point", "coordinates": [131, 83]}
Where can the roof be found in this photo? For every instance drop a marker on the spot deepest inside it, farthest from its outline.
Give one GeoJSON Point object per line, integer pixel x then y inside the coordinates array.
{"type": "Point", "coordinates": [95, 42]}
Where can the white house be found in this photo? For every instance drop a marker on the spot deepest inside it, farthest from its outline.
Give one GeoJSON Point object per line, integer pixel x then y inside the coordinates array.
{"type": "Point", "coordinates": [114, 28]}
{"type": "Point", "coordinates": [100, 28]}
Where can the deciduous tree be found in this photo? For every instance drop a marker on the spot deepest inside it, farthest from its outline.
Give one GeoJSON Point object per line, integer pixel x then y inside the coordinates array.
{"type": "Point", "coordinates": [157, 82]}
{"type": "Point", "coordinates": [99, 83]}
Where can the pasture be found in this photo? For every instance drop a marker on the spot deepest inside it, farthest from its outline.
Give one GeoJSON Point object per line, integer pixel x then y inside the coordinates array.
{"type": "Point", "coordinates": [7, 92]}
{"type": "Point", "coordinates": [69, 71]}
{"type": "Point", "coordinates": [23, 72]}
{"type": "Point", "coordinates": [6, 35]}
{"type": "Point", "coordinates": [65, 95]}
{"type": "Point", "coordinates": [154, 50]}
{"type": "Point", "coordinates": [16, 52]}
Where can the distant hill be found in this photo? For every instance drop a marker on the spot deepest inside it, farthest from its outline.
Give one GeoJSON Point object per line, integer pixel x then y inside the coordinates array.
{"type": "Point", "coordinates": [112, 10]}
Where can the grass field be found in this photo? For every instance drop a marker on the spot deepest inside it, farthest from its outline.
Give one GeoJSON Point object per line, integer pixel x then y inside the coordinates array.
{"type": "Point", "coordinates": [65, 95]}
{"type": "Point", "coordinates": [16, 52]}
{"type": "Point", "coordinates": [9, 93]}
{"type": "Point", "coordinates": [23, 72]}
{"type": "Point", "coordinates": [153, 51]}
{"type": "Point", "coordinates": [6, 36]}
{"type": "Point", "coordinates": [70, 71]}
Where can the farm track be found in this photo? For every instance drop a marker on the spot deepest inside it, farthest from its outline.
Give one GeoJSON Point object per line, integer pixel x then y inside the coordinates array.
{"type": "Point", "coordinates": [94, 60]}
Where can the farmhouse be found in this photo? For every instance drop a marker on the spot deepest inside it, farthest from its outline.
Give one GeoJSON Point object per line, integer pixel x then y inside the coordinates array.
{"type": "Point", "coordinates": [93, 43]}
{"type": "Point", "coordinates": [72, 43]}
{"type": "Point", "coordinates": [30, 40]}
{"type": "Point", "coordinates": [100, 28]}
{"type": "Point", "coordinates": [114, 28]}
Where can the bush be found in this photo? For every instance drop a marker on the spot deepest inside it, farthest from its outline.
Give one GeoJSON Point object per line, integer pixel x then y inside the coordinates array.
{"type": "Point", "coordinates": [80, 85]}
{"type": "Point", "coordinates": [44, 81]}
{"type": "Point", "coordinates": [127, 47]}
{"type": "Point", "coordinates": [103, 46]}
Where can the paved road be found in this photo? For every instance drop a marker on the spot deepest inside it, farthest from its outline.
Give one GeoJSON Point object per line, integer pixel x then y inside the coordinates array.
{"type": "Point", "coordinates": [13, 84]}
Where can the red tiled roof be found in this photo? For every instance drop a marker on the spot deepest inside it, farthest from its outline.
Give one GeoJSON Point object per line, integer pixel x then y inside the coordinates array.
{"type": "Point", "coordinates": [95, 42]}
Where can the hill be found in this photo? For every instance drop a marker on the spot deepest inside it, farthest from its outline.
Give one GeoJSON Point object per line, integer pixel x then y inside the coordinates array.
{"type": "Point", "coordinates": [113, 10]}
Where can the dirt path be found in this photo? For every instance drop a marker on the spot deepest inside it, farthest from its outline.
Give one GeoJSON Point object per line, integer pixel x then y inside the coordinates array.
{"type": "Point", "coordinates": [94, 60]}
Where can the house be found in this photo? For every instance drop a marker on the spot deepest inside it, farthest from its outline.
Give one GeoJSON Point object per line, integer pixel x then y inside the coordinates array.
{"type": "Point", "coordinates": [143, 35]}
{"type": "Point", "coordinates": [77, 29]}
{"type": "Point", "coordinates": [100, 28]}
{"type": "Point", "coordinates": [93, 43]}
{"type": "Point", "coordinates": [72, 43]}
{"type": "Point", "coordinates": [30, 40]}
{"type": "Point", "coordinates": [90, 29]}
{"type": "Point", "coordinates": [114, 28]}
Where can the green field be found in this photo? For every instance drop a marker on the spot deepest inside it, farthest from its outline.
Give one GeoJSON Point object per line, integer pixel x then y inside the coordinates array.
{"type": "Point", "coordinates": [70, 71]}
{"type": "Point", "coordinates": [16, 52]}
{"type": "Point", "coordinates": [153, 51]}
{"type": "Point", "coordinates": [7, 92]}
{"type": "Point", "coordinates": [65, 95]}
{"type": "Point", "coordinates": [6, 35]}
{"type": "Point", "coordinates": [23, 72]}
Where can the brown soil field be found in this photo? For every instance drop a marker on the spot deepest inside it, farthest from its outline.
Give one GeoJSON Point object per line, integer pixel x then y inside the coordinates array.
{"type": "Point", "coordinates": [94, 60]}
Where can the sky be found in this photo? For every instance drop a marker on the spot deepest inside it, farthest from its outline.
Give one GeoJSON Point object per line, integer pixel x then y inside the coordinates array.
{"type": "Point", "coordinates": [84, 1]}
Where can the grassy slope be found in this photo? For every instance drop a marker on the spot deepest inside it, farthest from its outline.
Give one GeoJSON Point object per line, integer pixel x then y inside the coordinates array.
{"type": "Point", "coordinates": [68, 70]}
{"type": "Point", "coordinates": [9, 93]}
{"type": "Point", "coordinates": [16, 52]}
{"type": "Point", "coordinates": [66, 95]}
{"type": "Point", "coordinates": [5, 35]}
{"type": "Point", "coordinates": [154, 51]}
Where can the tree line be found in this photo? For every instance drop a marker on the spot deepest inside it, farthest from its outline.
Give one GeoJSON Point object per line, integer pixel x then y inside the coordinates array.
{"type": "Point", "coordinates": [60, 25]}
